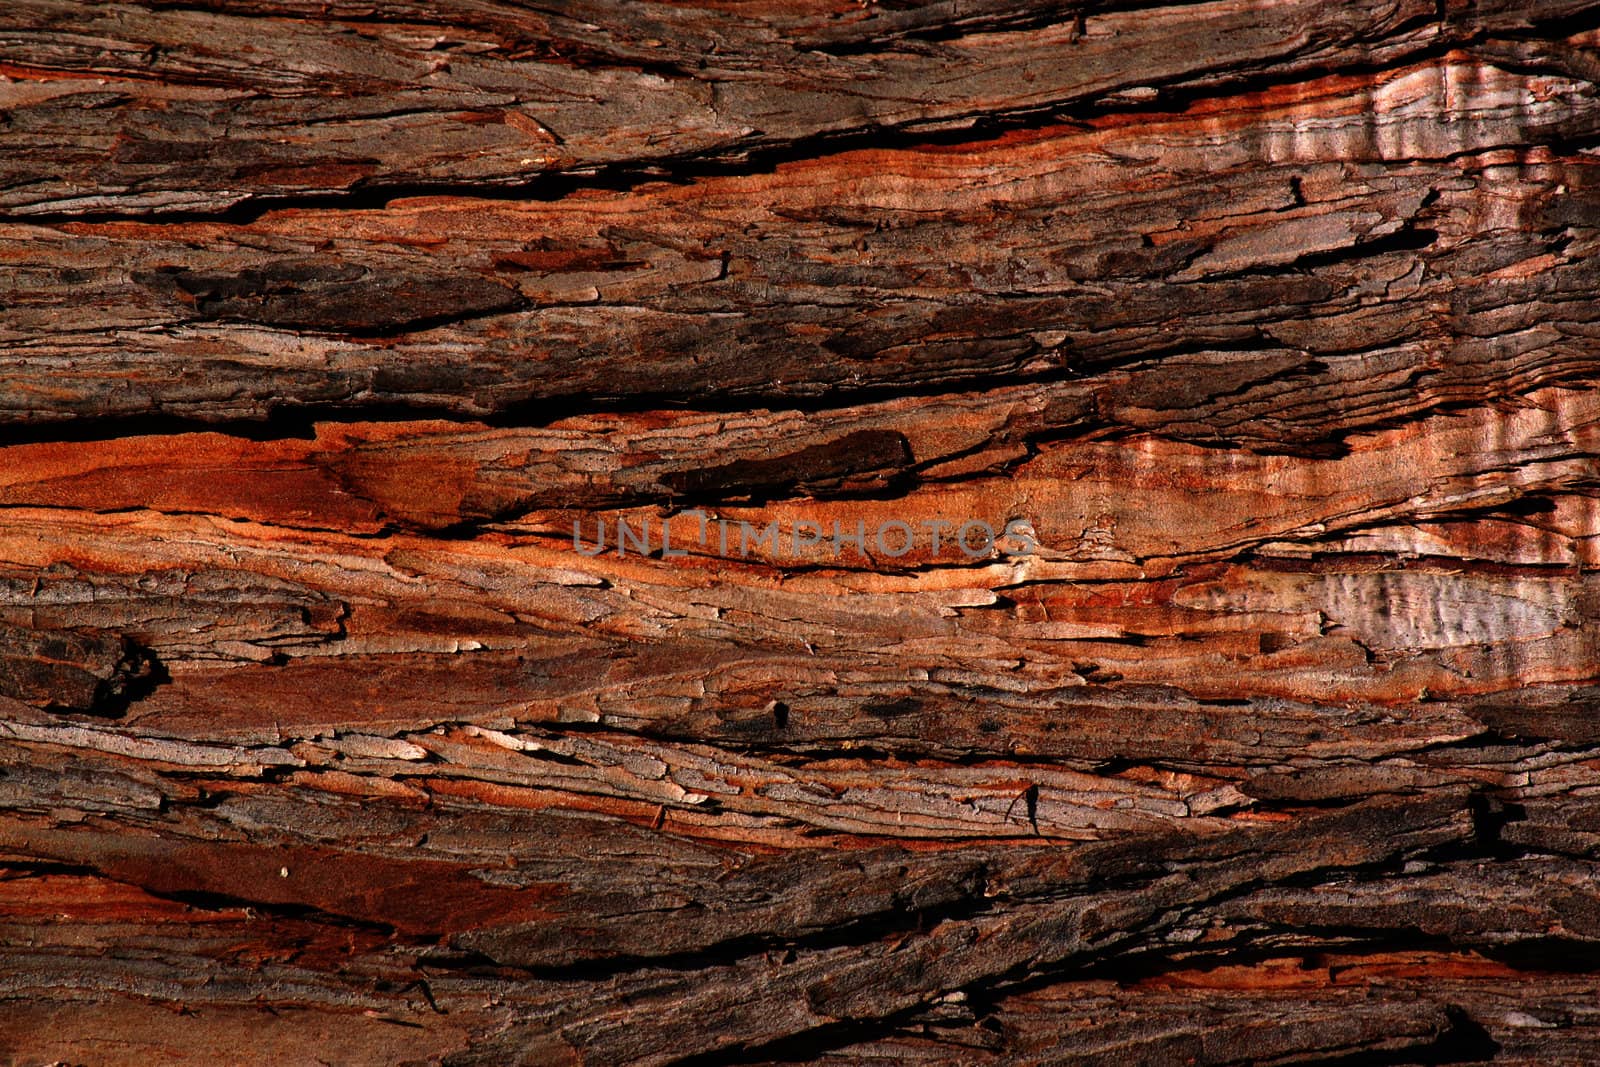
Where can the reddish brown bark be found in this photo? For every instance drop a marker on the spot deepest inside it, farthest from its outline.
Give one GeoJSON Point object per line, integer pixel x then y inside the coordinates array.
{"type": "Point", "coordinates": [334, 336]}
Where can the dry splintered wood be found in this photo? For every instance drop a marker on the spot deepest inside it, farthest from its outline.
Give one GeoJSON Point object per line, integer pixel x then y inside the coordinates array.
{"type": "Point", "coordinates": [448, 605]}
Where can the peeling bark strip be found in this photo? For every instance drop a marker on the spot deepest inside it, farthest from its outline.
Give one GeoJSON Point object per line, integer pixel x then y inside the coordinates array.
{"type": "Point", "coordinates": [493, 95]}
{"type": "Point", "coordinates": [1342, 252]}
{"type": "Point", "coordinates": [1271, 327]}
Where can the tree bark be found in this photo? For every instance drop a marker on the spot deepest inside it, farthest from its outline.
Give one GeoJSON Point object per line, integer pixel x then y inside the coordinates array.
{"type": "Point", "coordinates": [341, 344]}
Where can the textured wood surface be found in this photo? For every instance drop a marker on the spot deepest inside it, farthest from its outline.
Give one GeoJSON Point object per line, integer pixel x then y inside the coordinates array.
{"type": "Point", "coordinates": [336, 336]}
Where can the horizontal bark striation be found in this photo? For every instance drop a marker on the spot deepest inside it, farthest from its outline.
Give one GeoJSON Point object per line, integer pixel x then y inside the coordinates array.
{"type": "Point", "coordinates": [335, 338]}
{"type": "Point", "coordinates": [1368, 251]}
{"type": "Point", "coordinates": [495, 95]}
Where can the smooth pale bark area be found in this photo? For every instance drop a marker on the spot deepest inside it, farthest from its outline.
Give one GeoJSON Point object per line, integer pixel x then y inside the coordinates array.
{"type": "Point", "coordinates": [335, 336]}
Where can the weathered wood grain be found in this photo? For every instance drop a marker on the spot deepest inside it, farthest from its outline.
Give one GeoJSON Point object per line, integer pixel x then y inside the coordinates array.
{"type": "Point", "coordinates": [1394, 231]}
{"type": "Point", "coordinates": [341, 341]}
{"type": "Point", "coordinates": [320, 99]}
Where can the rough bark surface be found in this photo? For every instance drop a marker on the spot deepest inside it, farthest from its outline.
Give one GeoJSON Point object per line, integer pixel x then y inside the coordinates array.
{"type": "Point", "coordinates": [335, 335]}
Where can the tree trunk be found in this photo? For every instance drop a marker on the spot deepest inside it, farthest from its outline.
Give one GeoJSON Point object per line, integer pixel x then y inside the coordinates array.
{"type": "Point", "coordinates": [922, 533]}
